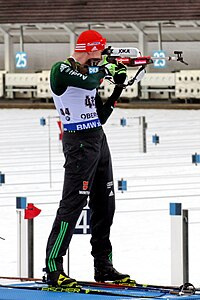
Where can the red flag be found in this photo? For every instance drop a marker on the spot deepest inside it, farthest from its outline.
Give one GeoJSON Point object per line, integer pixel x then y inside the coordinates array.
{"type": "Point", "coordinates": [61, 130]}
{"type": "Point", "coordinates": [31, 211]}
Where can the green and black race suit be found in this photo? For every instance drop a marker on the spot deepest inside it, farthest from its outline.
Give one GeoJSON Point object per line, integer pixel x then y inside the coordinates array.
{"type": "Point", "coordinates": [76, 98]}
{"type": "Point", "coordinates": [88, 165]}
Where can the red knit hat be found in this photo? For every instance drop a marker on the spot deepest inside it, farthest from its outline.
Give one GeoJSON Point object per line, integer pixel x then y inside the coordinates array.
{"type": "Point", "coordinates": [90, 41]}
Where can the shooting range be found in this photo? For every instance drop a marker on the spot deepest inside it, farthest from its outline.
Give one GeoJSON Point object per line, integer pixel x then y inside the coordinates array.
{"type": "Point", "coordinates": [153, 135]}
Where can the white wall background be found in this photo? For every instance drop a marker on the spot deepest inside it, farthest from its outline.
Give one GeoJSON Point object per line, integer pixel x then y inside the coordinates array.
{"type": "Point", "coordinates": [42, 56]}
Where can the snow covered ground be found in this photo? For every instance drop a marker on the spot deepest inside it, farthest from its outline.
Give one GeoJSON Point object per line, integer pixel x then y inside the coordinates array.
{"type": "Point", "coordinates": [141, 231]}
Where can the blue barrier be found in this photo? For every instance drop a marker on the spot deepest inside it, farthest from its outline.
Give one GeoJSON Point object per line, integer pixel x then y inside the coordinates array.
{"type": "Point", "coordinates": [123, 122]}
{"type": "Point", "coordinates": [122, 185]}
{"type": "Point", "coordinates": [196, 158]}
{"type": "Point", "coordinates": [21, 202]}
{"type": "Point", "coordinates": [155, 139]}
{"type": "Point", "coordinates": [42, 121]}
{"type": "Point", "coordinates": [2, 178]}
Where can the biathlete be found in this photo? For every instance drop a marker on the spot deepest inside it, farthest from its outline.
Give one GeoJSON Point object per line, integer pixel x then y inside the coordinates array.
{"type": "Point", "coordinates": [88, 166]}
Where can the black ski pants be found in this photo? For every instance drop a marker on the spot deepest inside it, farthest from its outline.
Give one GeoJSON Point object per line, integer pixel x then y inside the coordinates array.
{"type": "Point", "coordinates": [88, 172]}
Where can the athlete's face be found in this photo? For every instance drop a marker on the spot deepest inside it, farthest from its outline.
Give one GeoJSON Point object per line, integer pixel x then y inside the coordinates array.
{"type": "Point", "coordinates": [95, 54]}
{"type": "Point", "coordinates": [94, 58]}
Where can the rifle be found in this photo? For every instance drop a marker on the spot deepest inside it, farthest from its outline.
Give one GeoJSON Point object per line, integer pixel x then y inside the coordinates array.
{"type": "Point", "coordinates": [131, 57]}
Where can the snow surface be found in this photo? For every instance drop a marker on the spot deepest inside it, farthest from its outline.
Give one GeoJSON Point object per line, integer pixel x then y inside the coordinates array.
{"type": "Point", "coordinates": [141, 230]}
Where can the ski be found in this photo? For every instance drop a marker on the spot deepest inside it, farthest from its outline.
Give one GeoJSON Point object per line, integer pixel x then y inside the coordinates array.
{"type": "Point", "coordinates": [128, 284]}
{"type": "Point", "coordinates": [185, 289]}
{"type": "Point", "coordinates": [103, 292]}
{"type": "Point", "coordinates": [85, 290]}
{"type": "Point", "coordinates": [105, 288]}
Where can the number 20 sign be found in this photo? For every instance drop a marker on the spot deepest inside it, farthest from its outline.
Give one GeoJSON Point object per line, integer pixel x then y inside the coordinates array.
{"type": "Point", "coordinates": [160, 61]}
{"type": "Point", "coordinates": [21, 60]}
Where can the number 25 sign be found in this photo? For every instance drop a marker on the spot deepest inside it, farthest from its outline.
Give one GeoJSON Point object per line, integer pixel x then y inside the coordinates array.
{"type": "Point", "coordinates": [21, 60]}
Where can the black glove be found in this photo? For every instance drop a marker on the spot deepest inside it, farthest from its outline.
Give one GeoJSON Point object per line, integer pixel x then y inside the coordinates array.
{"type": "Point", "coordinates": [120, 73]}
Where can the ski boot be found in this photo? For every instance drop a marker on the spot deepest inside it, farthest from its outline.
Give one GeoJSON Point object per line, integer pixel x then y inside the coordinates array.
{"type": "Point", "coordinates": [109, 273]}
{"type": "Point", "coordinates": [60, 279]}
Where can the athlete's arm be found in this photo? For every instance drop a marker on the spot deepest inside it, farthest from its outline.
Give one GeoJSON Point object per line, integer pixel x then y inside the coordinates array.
{"type": "Point", "coordinates": [104, 110]}
{"type": "Point", "coordinates": [62, 75]}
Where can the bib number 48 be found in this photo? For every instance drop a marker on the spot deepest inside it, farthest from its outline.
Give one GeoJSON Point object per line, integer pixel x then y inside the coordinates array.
{"type": "Point", "coordinates": [90, 101]}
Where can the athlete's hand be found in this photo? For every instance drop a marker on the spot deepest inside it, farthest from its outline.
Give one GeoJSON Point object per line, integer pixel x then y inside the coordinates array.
{"type": "Point", "coordinates": [120, 73]}
{"type": "Point", "coordinates": [104, 60]}
{"type": "Point", "coordinates": [115, 69]}
{"type": "Point", "coordinates": [108, 67]}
